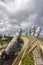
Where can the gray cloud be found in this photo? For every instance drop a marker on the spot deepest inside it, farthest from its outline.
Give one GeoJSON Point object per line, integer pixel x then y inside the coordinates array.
{"type": "Point", "coordinates": [26, 13]}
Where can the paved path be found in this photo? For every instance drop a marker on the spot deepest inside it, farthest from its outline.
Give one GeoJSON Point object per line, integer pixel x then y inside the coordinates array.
{"type": "Point", "coordinates": [38, 59]}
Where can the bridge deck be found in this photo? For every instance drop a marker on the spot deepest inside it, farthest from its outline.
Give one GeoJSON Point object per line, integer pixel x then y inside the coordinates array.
{"type": "Point", "coordinates": [38, 59]}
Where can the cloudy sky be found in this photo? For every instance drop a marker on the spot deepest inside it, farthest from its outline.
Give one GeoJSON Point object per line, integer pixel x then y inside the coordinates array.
{"type": "Point", "coordinates": [24, 13]}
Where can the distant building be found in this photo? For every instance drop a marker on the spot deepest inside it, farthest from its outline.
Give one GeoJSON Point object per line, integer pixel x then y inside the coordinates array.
{"type": "Point", "coordinates": [26, 32]}
{"type": "Point", "coordinates": [33, 30]}
{"type": "Point", "coordinates": [3, 37]}
{"type": "Point", "coordinates": [38, 30]}
{"type": "Point", "coordinates": [29, 32]}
